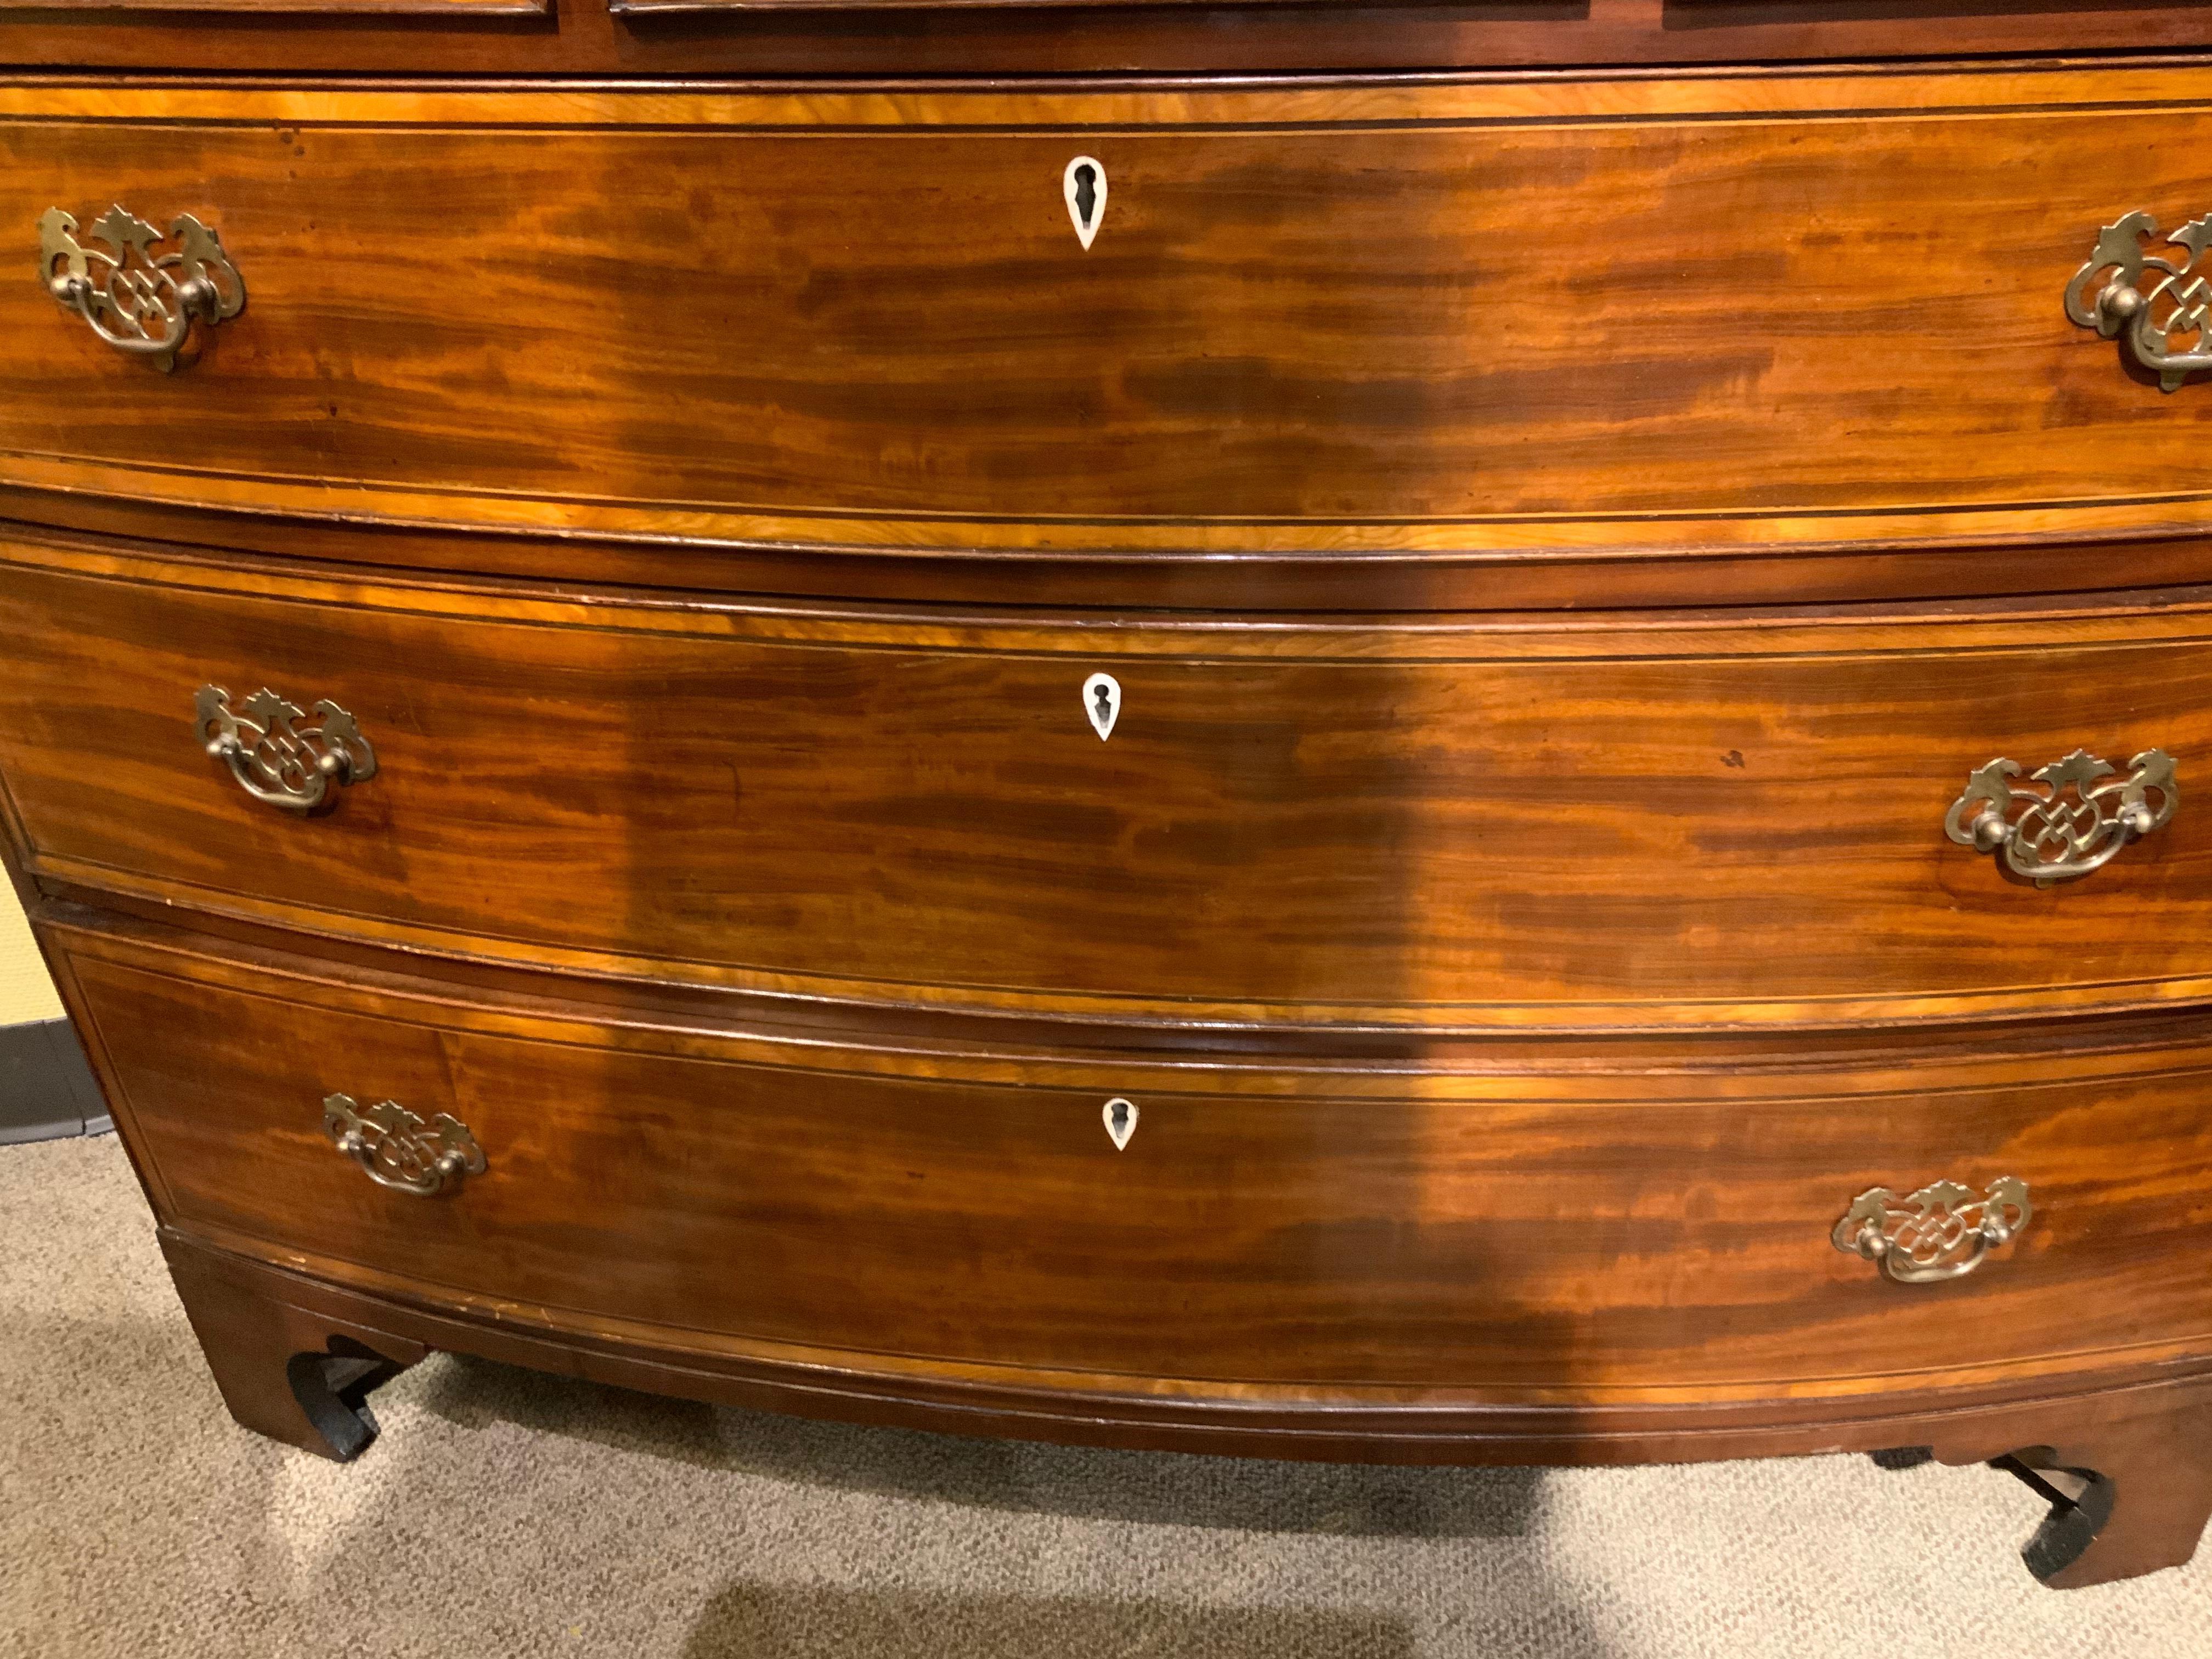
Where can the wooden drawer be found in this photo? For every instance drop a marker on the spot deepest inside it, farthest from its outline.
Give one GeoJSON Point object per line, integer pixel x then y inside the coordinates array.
{"type": "Point", "coordinates": [1456, 824]}
{"type": "Point", "coordinates": [278, 13]}
{"type": "Point", "coordinates": [1643, 1225]}
{"type": "Point", "coordinates": [1518, 321]}
{"type": "Point", "coordinates": [825, 40]}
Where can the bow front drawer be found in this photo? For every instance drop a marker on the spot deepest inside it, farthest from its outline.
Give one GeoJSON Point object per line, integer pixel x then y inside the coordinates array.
{"type": "Point", "coordinates": [1612, 822]}
{"type": "Point", "coordinates": [1812, 1227]}
{"type": "Point", "coordinates": [1506, 321]}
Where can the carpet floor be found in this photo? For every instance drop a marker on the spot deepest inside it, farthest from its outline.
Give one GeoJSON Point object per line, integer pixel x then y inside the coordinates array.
{"type": "Point", "coordinates": [505, 1513]}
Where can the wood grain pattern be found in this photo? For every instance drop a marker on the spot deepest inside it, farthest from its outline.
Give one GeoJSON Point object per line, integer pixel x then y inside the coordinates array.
{"type": "Point", "coordinates": [278, 11]}
{"type": "Point", "coordinates": [1259, 1229]}
{"type": "Point", "coordinates": [1515, 987]}
{"type": "Point", "coordinates": [2139, 1438]}
{"type": "Point", "coordinates": [1579, 321]}
{"type": "Point", "coordinates": [283, 1372]}
{"type": "Point", "coordinates": [584, 38]}
{"type": "Point", "coordinates": [1444, 824]}
{"type": "Point", "coordinates": [1965, 1424]}
{"type": "Point", "coordinates": [1401, 580]}
{"type": "Point", "coordinates": [2139, 1442]}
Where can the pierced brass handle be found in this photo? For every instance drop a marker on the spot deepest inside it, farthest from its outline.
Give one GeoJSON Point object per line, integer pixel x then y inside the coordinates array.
{"type": "Point", "coordinates": [398, 1150]}
{"type": "Point", "coordinates": [2072, 826]}
{"type": "Point", "coordinates": [276, 759]}
{"type": "Point", "coordinates": [137, 299]}
{"type": "Point", "coordinates": [2147, 321]}
{"type": "Point", "coordinates": [1942, 1231]}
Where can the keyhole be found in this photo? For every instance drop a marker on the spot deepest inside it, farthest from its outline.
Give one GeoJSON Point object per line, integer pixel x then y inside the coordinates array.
{"type": "Point", "coordinates": [1084, 184]}
{"type": "Point", "coordinates": [1120, 1117]}
{"type": "Point", "coordinates": [1102, 702]}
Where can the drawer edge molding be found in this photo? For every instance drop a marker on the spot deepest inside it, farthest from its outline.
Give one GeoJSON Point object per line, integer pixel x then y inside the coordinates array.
{"type": "Point", "coordinates": [1856, 94]}
{"type": "Point", "coordinates": [2118, 616]}
{"type": "Point", "coordinates": [294, 1359]}
{"type": "Point", "coordinates": [374, 505]}
{"type": "Point", "coordinates": [1168, 1016]}
{"type": "Point", "coordinates": [1315, 581]}
{"type": "Point", "coordinates": [149, 12]}
{"type": "Point", "coordinates": [1356, 1422]}
{"type": "Point", "coordinates": [1503, 1066]}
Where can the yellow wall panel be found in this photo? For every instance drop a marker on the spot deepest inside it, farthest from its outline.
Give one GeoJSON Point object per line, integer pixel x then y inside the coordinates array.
{"type": "Point", "coordinates": [26, 993]}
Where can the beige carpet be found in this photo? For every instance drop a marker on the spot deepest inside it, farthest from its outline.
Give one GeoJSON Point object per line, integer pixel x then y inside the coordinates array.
{"type": "Point", "coordinates": [504, 1513]}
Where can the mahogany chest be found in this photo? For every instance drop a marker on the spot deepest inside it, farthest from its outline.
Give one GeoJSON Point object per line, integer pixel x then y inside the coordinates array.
{"type": "Point", "coordinates": [1397, 732]}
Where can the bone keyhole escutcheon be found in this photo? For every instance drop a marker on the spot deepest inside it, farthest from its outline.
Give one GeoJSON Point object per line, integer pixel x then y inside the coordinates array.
{"type": "Point", "coordinates": [1102, 702]}
{"type": "Point", "coordinates": [1121, 1118]}
{"type": "Point", "coordinates": [1084, 184]}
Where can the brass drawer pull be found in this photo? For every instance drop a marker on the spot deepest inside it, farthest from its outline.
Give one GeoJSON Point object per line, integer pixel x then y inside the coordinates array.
{"type": "Point", "coordinates": [137, 299]}
{"type": "Point", "coordinates": [2074, 824]}
{"type": "Point", "coordinates": [274, 758]}
{"type": "Point", "coordinates": [397, 1149]}
{"type": "Point", "coordinates": [2146, 322]}
{"type": "Point", "coordinates": [1942, 1231]}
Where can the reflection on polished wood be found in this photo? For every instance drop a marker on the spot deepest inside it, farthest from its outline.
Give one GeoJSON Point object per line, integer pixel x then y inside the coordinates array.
{"type": "Point", "coordinates": [1059, 37]}
{"type": "Point", "coordinates": [1168, 760]}
{"type": "Point", "coordinates": [1326, 332]}
{"type": "Point", "coordinates": [1581, 827]}
{"type": "Point", "coordinates": [1356, 1227]}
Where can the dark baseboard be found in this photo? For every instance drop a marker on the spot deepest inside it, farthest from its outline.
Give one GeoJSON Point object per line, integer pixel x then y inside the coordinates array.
{"type": "Point", "coordinates": [47, 1087]}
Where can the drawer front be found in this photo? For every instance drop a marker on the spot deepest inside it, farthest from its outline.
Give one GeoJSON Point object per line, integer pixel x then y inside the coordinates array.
{"type": "Point", "coordinates": [1523, 1232]}
{"type": "Point", "coordinates": [1492, 825]}
{"type": "Point", "coordinates": [278, 13]}
{"type": "Point", "coordinates": [1597, 314]}
{"type": "Point", "coordinates": [951, 39]}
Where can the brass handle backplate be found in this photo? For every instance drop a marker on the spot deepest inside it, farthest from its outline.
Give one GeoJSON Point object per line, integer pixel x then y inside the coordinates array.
{"type": "Point", "coordinates": [1942, 1231]}
{"type": "Point", "coordinates": [2110, 293]}
{"type": "Point", "coordinates": [138, 298]}
{"type": "Point", "coordinates": [274, 758]}
{"type": "Point", "coordinates": [400, 1150]}
{"type": "Point", "coordinates": [2080, 818]}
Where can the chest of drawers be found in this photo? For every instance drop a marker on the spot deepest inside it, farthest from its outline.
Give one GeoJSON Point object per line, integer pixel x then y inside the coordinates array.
{"type": "Point", "coordinates": [1476, 765]}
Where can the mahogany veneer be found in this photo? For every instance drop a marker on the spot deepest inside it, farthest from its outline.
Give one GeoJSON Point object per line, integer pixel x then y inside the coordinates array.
{"type": "Point", "coordinates": [1315, 1230]}
{"type": "Point", "coordinates": [1585, 827]}
{"type": "Point", "coordinates": [1327, 814]}
{"type": "Point", "coordinates": [1554, 318]}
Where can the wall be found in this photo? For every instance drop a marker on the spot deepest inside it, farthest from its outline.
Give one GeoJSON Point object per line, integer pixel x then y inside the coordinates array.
{"type": "Point", "coordinates": [26, 993]}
